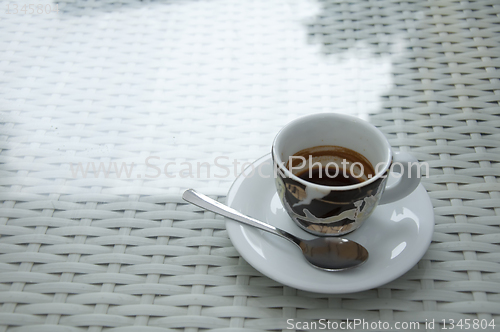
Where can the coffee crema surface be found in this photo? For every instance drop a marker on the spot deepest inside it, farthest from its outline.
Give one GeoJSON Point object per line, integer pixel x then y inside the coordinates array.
{"type": "Point", "coordinates": [331, 165]}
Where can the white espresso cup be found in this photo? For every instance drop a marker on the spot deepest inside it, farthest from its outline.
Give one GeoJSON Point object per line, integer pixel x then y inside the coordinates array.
{"type": "Point", "coordinates": [327, 210]}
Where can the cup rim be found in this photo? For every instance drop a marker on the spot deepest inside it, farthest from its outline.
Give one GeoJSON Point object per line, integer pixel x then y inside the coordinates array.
{"type": "Point", "coordinates": [378, 175]}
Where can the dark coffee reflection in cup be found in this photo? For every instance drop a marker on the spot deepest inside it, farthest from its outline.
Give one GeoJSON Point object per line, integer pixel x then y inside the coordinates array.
{"type": "Point", "coordinates": [330, 165]}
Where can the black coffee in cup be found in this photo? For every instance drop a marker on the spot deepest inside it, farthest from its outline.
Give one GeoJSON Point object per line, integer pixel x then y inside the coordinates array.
{"type": "Point", "coordinates": [330, 165]}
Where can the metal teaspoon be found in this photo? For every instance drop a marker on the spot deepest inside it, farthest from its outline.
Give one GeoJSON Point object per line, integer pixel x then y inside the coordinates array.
{"type": "Point", "coordinates": [326, 253]}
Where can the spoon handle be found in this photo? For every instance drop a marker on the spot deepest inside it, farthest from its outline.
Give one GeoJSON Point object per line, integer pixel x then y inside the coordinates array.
{"type": "Point", "coordinates": [207, 203]}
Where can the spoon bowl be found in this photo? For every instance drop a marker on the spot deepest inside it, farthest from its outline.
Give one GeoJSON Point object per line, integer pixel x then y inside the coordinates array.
{"type": "Point", "coordinates": [325, 253]}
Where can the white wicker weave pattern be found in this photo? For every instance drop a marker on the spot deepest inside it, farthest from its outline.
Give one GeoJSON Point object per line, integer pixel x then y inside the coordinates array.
{"type": "Point", "coordinates": [190, 81]}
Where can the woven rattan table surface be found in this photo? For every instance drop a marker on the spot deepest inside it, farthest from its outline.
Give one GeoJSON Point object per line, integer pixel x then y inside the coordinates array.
{"type": "Point", "coordinates": [178, 83]}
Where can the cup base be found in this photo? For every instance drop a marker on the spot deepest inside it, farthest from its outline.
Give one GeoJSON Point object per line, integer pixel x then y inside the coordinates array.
{"type": "Point", "coordinates": [338, 228]}
{"type": "Point", "coordinates": [325, 230]}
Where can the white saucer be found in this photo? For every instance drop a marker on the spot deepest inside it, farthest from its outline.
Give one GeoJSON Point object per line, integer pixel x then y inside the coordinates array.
{"type": "Point", "coordinates": [396, 235]}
